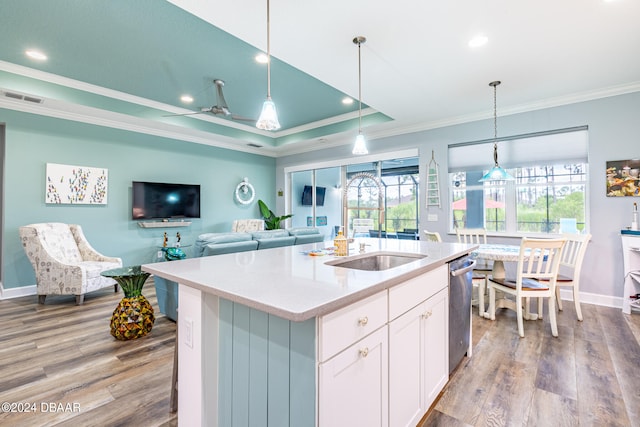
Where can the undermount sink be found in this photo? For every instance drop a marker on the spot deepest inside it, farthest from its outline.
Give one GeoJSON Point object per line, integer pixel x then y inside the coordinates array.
{"type": "Point", "coordinates": [378, 261]}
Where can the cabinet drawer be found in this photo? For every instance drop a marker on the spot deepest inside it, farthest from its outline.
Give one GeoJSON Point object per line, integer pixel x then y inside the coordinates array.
{"type": "Point", "coordinates": [340, 329]}
{"type": "Point", "coordinates": [407, 295]}
{"type": "Point", "coordinates": [353, 387]}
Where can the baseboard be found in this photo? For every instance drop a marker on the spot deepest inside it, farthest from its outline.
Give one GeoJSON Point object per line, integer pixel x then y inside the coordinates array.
{"type": "Point", "coordinates": [17, 292]}
{"type": "Point", "coordinates": [589, 298]}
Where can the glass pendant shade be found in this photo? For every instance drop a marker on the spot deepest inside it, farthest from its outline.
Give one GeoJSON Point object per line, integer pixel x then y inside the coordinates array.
{"type": "Point", "coordinates": [497, 174]}
{"type": "Point", "coordinates": [268, 117]}
{"type": "Point", "coordinates": [360, 146]}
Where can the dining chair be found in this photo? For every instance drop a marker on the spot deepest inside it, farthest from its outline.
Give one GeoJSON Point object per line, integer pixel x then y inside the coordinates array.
{"type": "Point", "coordinates": [432, 236]}
{"type": "Point", "coordinates": [536, 276]}
{"type": "Point", "coordinates": [472, 235]}
{"type": "Point", "coordinates": [481, 272]}
{"type": "Point", "coordinates": [571, 264]}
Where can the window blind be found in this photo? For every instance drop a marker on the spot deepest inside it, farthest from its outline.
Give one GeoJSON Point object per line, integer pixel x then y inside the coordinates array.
{"type": "Point", "coordinates": [564, 146]}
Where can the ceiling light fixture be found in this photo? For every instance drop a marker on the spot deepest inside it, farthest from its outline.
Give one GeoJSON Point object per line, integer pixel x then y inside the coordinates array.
{"type": "Point", "coordinates": [479, 40]}
{"type": "Point", "coordinates": [36, 54]}
{"type": "Point", "coordinates": [347, 100]}
{"type": "Point", "coordinates": [261, 58]}
{"type": "Point", "coordinates": [360, 146]}
{"type": "Point", "coordinates": [496, 173]}
{"type": "Point", "coordinates": [269, 117]}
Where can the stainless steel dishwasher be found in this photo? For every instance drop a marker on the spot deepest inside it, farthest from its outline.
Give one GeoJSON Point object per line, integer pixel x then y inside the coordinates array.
{"type": "Point", "coordinates": [460, 289]}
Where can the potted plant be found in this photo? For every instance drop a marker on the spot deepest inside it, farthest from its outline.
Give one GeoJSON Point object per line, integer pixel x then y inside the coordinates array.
{"type": "Point", "coordinates": [271, 221]}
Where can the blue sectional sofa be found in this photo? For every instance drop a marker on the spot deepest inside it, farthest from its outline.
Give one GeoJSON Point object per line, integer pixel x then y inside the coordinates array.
{"type": "Point", "coordinates": [209, 244]}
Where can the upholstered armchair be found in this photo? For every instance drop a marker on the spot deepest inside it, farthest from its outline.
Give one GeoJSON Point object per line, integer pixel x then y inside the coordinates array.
{"type": "Point", "coordinates": [64, 261]}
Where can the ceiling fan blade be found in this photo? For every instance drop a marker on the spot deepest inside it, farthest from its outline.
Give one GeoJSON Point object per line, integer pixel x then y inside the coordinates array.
{"type": "Point", "coordinates": [242, 119]}
{"type": "Point", "coordinates": [186, 114]}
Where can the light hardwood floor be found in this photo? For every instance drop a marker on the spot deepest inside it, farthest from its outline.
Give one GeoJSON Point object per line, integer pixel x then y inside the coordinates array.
{"type": "Point", "coordinates": [60, 353]}
{"type": "Point", "coordinates": [588, 376]}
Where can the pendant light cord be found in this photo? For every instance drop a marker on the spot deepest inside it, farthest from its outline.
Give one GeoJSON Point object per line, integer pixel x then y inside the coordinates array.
{"type": "Point", "coordinates": [359, 89]}
{"type": "Point", "coordinates": [495, 122]}
{"type": "Point", "coordinates": [268, 52]}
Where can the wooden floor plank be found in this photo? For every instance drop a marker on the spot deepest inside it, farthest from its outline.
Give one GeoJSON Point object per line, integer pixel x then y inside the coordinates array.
{"type": "Point", "coordinates": [557, 366]}
{"type": "Point", "coordinates": [552, 409]}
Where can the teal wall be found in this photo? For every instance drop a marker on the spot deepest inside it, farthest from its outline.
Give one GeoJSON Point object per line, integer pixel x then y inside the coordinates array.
{"type": "Point", "coordinates": [32, 141]}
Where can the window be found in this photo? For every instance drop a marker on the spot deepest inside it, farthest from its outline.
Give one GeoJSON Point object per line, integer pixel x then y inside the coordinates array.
{"type": "Point", "coordinates": [550, 186]}
{"type": "Point", "coordinates": [400, 183]}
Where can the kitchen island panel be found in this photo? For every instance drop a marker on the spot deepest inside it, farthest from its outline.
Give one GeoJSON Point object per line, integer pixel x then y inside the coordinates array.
{"type": "Point", "coordinates": [267, 369]}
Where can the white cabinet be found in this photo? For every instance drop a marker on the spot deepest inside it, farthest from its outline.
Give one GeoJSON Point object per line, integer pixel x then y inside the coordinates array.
{"type": "Point", "coordinates": [418, 359]}
{"type": "Point", "coordinates": [384, 360]}
{"type": "Point", "coordinates": [353, 386]}
{"type": "Point", "coordinates": [631, 258]}
{"type": "Point", "coordinates": [353, 374]}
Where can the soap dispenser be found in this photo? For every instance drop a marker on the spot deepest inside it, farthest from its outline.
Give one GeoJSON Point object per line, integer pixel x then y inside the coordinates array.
{"type": "Point", "coordinates": [341, 244]}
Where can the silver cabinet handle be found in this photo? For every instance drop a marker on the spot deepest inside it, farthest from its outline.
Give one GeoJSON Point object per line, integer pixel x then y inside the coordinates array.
{"type": "Point", "coordinates": [364, 352]}
{"type": "Point", "coordinates": [363, 321]}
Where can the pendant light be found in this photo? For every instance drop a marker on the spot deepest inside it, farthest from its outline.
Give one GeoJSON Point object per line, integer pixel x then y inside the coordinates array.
{"type": "Point", "coordinates": [360, 146]}
{"type": "Point", "coordinates": [268, 117]}
{"type": "Point", "coordinates": [496, 173]}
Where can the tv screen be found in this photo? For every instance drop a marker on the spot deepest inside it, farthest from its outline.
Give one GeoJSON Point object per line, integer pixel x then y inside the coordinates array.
{"type": "Point", "coordinates": [157, 200]}
{"type": "Point", "coordinates": [307, 196]}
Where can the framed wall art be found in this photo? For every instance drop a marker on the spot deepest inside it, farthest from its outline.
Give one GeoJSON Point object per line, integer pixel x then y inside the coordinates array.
{"type": "Point", "coordinates": [78, 185]}
{"type": "Point", "coordinates": [622, 178]}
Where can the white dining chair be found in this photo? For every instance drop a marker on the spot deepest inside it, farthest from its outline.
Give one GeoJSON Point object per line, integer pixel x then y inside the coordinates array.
{"type": "Point", "coordinates": [479, 279]}
{"type": "Point", "coordinates": [432, 236]}
{"type": "Point", "coordinates": [536, 276]}
{"type": "Point", "coordinates": [472, 235]}
{"type": "Point", "coordinates": [571, 266]}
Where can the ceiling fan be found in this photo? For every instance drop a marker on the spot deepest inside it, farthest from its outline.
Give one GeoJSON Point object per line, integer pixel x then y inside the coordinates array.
{"type": "Point", "coordinates": [221, 108]}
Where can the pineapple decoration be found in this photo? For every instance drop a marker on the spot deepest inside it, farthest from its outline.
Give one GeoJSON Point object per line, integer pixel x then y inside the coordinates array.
{"type": "Point", "coordinates": [133, 317]}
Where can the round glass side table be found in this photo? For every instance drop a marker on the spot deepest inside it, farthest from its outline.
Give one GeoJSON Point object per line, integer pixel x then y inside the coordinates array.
{"type": "Point", "coordinates": [133, 317]}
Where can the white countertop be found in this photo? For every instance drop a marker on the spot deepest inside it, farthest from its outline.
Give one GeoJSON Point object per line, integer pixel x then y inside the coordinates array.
{"type": "Point", "coordinates": [295, 286]}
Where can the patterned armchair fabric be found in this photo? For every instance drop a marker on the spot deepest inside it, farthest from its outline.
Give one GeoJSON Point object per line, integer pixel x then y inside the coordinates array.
{"type": "Point", "coordinates": [64, 262]}
{"type": "Point", "coordinates": [247, 225]}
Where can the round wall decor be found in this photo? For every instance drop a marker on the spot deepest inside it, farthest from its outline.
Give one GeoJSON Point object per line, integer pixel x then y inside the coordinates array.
{"type": "Point", "coordinates": [245, 193]}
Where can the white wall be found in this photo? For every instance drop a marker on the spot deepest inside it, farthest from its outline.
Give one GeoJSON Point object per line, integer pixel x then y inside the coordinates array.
{"type": "Point", "coordinates": [614, 134]}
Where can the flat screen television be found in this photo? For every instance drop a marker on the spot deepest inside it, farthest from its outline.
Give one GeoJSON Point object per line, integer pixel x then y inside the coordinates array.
{"type": "Point", "coordinates": [307, 199]}
{"type": "Point", "coordinates": [159, 200]}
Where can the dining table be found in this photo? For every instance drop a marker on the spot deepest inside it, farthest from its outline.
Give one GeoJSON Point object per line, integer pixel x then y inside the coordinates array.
{"type": "Point", "coordinates": [499, 254]}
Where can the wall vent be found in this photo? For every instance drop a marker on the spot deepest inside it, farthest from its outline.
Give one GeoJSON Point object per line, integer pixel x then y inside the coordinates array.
{"type": "Point", "coordinates": [22, 97]}
{"type": "Point", "coordinates": [32, 99]}
{"type": "Point", "coordinates": [13, 95]}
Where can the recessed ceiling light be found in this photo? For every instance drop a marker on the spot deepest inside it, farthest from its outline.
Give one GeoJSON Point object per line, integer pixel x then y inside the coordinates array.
{"type": "Point", "coordinates": [347, 100]}
{"type": "Point", "coordinates": [262, 58]}
{"type": "Point", "coordinates": [479, 40]}
{"type": "Point", "coordinates": [187, 99]}
{"type": "Point", "coordinates": [36, 54]}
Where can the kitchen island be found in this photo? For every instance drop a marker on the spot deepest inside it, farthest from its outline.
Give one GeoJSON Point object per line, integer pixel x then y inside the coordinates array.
{"type": "Point", "coordinates": [282, 338]}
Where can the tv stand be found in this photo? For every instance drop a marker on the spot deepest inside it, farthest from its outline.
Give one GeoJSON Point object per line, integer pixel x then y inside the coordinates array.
{"type": "Point", "coordinates": [163, 224]}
